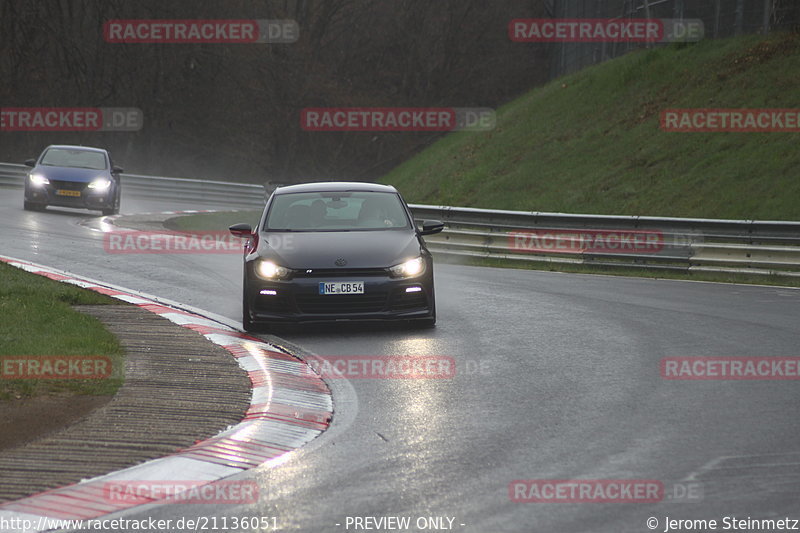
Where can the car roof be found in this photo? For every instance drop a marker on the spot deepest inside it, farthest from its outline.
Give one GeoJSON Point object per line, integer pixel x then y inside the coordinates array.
{"type": "Point", "coordinates": [335, 186]}
{"type": "Point", "coordinates": [75, 147]}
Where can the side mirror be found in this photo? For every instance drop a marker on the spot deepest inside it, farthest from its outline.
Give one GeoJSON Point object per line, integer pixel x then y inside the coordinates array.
{"type": "Point", "coordinates": [429, 227]}
{"type": "Point", "coordinates": [241, 230]}
{"type": "Point", "coordinates": [30, 163]}
{"type": "Point", "coordinates": [117, 170]}
{"type": "Point", "coordinates": [246, 232]}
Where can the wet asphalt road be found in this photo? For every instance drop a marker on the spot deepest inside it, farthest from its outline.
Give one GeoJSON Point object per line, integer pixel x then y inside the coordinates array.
{"type": "Point", "coordinates": [557, 378]}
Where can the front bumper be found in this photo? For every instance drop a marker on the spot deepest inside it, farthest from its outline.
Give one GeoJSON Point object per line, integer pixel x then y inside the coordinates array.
{"type": "Point", "coordinates": [298, 299]}
{"type": "Point", "coordinates": [77, 195]}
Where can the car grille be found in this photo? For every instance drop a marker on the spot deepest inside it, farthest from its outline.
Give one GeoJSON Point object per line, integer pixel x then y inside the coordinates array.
{"type": "Point", "coordinates": [340, 272]}
{"type": "Point", "coordinates": [68, 185]}
{"type": "Point", "coordinates": [341, 303]}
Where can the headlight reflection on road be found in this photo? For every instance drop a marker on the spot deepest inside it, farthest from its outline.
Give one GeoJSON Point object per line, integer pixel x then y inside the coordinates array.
{"type": "Point", "coordinates": [34, 230]}
{"type": "Point", "coordinates": [106, 227]}
{"type": "Point", "coordinates": [423, 400]}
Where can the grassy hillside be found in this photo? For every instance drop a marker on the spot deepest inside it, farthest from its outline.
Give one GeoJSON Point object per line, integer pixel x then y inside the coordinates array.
{"type": "Point", "coordinates": [591, 142]}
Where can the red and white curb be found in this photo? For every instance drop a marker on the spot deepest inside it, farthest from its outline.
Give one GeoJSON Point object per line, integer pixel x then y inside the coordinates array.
{"type": "Point", "coordinates": [290, 406]}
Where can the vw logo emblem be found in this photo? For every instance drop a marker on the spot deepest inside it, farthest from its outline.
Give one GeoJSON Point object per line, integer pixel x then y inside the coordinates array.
{"type": "Point", "coordinates": [340, 262]}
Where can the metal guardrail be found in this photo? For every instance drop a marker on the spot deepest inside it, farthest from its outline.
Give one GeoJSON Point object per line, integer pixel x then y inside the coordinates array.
{"type": "Point", "coordinates": [11, 175]}
{"type": "Point", "coordinates": [685, 244]}
{"type": "Point", "coordinates": [175, 189]}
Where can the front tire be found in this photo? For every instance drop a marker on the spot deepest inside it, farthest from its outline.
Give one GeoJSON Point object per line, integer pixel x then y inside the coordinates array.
{"type": "Point", "coordinates": [114, 209]}
{"type": "Point", "coordinates": [247, 322]}
{"type": "Point", "coordinates": [428, 322]}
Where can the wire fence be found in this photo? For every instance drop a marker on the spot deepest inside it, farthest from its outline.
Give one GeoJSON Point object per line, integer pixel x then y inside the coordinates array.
{"type": "Point", "coordinates": [721, 18]}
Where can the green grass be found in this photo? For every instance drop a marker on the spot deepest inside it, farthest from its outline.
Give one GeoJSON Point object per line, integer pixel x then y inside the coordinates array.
{"type": "Point", "coordinates": [591, 142]}
{"type": "Point", "coordinates": [37, 319]}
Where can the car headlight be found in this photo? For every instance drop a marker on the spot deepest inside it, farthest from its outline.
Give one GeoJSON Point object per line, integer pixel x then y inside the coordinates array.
{"type": "Point", "coordinates": [269, 270]}
{"type": "Point", "coordinates": [100, 184]}
{"type": "Point", "coordinates": [409, 269]}
{"type": "Point", "coordinates": [39, 180]}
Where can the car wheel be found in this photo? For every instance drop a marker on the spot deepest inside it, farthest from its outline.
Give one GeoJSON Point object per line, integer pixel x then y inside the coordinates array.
{"type": "Point", "coordinates": [117, 203]}
{"type": "Point", "coordinates": [114, 209]}
{"type": "Point", "coordinates": [430, 321]}
{"type": "Point", "coordinates": [247, 323]}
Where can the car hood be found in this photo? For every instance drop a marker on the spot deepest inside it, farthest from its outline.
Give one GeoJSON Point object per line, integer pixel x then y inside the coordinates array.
{"type": "Point", "coordinates": [361, 249]}
{"type": "Point", "coordinates": [81, 175]}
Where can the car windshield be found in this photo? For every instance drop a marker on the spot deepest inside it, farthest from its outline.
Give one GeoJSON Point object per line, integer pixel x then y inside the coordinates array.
{"type": "Point", "coordinates": [336, 211]}
{"type": "Point", "coordinates": [63, 157]}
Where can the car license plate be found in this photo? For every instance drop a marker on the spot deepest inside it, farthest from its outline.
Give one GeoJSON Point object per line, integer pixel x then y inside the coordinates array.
{"type": "Point", "coordinates": [63, 192]}
{"type": "Point", "coordinates": [341, 287]}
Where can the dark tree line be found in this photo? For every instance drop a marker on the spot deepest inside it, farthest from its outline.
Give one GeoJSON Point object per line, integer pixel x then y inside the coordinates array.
{"type": "Point", "coordinates": [232, 111]}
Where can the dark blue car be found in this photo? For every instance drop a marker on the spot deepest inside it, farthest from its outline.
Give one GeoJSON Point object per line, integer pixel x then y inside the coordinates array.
{"type": "Point", "coordinates": [73, 176]}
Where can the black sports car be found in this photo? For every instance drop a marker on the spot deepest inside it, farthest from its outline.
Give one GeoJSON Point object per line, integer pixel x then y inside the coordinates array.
{"type": "Point", "coordinates": [73, 176]}
{"type": "Point", "coordinates": [337, 251]}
